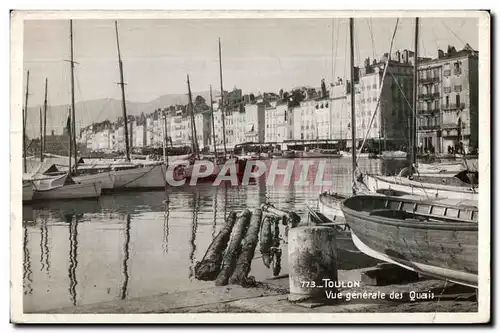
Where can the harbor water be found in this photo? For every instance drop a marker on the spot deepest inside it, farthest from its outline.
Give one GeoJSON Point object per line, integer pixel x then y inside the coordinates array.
{"type": "Point", "coordinates": [134, 244]}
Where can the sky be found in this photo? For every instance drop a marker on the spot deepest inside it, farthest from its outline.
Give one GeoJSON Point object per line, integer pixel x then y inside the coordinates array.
{"type": "Point", "coordinates": [257, 54]}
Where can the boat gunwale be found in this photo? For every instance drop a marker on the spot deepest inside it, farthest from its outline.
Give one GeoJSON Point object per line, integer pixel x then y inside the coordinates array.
{"type": "Point", "coordinates": [441, 187]}
{"type": "Point", "coordinates": [438, 225]}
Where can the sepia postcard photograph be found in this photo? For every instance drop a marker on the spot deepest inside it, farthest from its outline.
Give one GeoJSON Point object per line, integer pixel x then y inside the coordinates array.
{"type": "Point", "coordinates": [250, 167]}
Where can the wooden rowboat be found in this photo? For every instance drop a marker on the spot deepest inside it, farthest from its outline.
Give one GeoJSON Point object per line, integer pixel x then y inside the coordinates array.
{"type": "Point", "coordinates": [433, 237]}
{"type": "Point", "coordinates": [330, 203]}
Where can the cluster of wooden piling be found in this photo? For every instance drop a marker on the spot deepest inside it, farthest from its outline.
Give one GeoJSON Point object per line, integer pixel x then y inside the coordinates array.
{"type": "Point", "coordinates": [228, 258]}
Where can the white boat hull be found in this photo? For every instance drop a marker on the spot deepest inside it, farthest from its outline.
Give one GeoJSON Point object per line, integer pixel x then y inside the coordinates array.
{"type": "Point", "coordinates": [151, 176]}
{"type": "Point", "coordinates": [107, 179]}
{"type": "Point", "coordinates": [403, 184]}
{"type": "Point", "coordinates": [65, 192]}
{"type": "Point", "coordinates": [460, 277]}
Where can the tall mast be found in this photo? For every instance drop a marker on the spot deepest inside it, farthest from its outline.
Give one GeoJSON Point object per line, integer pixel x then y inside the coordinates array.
{"type": "Point", "coordinates": [353, 104]}
{"type": "Point", "coordinates": [413, 129]}
{"type": "Point", "coordinates": [73, 118]}
{"type": "Point", "coordinates": [25, 115]}
{"type": "Point", "coordinates": [193, 125]}
{"type": "Point", "coordinates": [213, 122]}
{"type": "Point", "coordinates": [222, 102]}
{"type": "Point", "coordinates": [41, 136]}
{"type": "Point", "coordinates": [45, 118]}
{"type": "Point", "coordinates": [165, 139]}
{"type": "Point", "coordinates": [68, 127]}
{"type": "Point", "coordinates": [122, 85]}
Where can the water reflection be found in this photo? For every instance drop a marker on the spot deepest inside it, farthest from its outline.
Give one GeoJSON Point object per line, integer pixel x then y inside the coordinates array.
{"type": "Point", "coordinates": [171, 229]}
{"type": "Point", "coordinates": [194, 229]}
{"type": "Point", "coordinates": [73, 256]}
{"type": "Point", "coordinates": [126, 257]}
{"type": "Point", "coordinates": [214, 224]}
{"type": "Point", "coordinates": [166, 229]}
{"type": "Point", "coordinates": [44, 245]}
{"type": "Point", "coordinates": [27, 272]}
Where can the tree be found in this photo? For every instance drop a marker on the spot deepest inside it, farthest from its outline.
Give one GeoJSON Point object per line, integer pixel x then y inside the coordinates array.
{"type": "Point", "coordinates": [295, 99]}
{"type": "Point", "coordinates": [199, 100]}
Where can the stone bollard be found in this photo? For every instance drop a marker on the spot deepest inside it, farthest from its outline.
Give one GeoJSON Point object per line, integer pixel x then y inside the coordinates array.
{"type": "Point", "coordinates": [312, 260]}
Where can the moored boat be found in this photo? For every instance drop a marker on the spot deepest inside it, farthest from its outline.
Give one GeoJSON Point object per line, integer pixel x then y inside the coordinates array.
{"type": "Point", "coordinates": [134, 176]}
{"type": "Point", "coordinates": [458, 186]}
{"type": "Point", "coordinates": [329, 205]}
{"type": "Point", "coordinates": [319, 153]}
{"type": "Point", "coordinates": [96, 175]}
{"type": "Point", "coordinates": [394, 155]}
{"type": "Point", "coordinates": [288, 154]}
{"type": "Point", "coordinates": [63, 187]}
{"type": "Point", "coordinates": [437, 238]}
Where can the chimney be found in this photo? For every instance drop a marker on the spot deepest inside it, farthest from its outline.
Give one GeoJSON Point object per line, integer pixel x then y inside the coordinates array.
{"type": "Point", "coordinates": [52, 133]}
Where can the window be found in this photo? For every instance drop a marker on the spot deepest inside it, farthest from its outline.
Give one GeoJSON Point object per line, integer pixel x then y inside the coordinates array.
{"type": "Point", "coordinates": [447, 100]}
{"type": "Point", "coordinates": [458, 88]}
{"type": "Point", "coordinates": [457, 99]}
{"type": "Point", "coordinates": [447, 90]}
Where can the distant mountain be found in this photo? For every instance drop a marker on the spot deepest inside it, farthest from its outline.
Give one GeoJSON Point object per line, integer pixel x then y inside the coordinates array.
{"type": "Point", "coordinates": [98, 110]}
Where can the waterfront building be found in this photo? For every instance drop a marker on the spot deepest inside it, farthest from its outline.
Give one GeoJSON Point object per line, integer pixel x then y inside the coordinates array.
{"type": "Point", "coordinates": [447, 107]}
{"type": "Point", "coordinates": [270, 124]}
{"type": "Point", "coordinates": [390, 125]}
{"type": "Point", "coordinates": [311, 117]}
{"type": "Point", "coordinates": [255, 122]}
{"type": "Point", "coordinates": [203, 128]}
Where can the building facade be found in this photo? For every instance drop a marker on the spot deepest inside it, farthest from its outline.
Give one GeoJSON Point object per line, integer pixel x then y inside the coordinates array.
{"type": "Point", "coordinates": [447, 110]}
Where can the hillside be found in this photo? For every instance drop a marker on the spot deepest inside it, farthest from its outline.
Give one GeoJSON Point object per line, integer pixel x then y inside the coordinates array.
{"type": "Point", "coordinates": [101, 109]}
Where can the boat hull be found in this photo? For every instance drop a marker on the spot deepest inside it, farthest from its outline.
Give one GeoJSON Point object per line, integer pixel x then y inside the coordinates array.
{"type": "Point", "coordinates": [319, 155]}
{"type": "Point", "coordinates": [68, 192]}
{"type": "Point", "coordinates": [330, 206]}
{"type": "Point", "coordinates": [442, 249]}
{"type": "Point", "coordinates": [394, 155]}
{"type": "Point", "coordinates": [403, 184]}
{"type": "Point", "coordinates": [106, 179]}
{"type": "Point", "coordinates": [146, 177]}
{"type": "Point", "coordinates": [27, 191]}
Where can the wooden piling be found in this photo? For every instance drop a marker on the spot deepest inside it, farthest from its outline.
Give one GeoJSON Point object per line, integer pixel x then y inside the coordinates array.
{"type": "Point", "coordinates": [210, 266]}
{"type": "Point", "coordinates": [312, 259]}
{"type": "Point", "coordinates": [234, 248]}
{"type": "Point", "coordinates": [244, 262]}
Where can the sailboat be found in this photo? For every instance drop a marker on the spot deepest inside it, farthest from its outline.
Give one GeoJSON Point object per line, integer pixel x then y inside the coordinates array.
{"type": "Point", "coordinates": [218, 161]}
{"type": "Point", "coordinates": [26, 181]}
{"type": "Point", "coordinates": [330, 202]}
{"type": "Point", "coordinates": [78, 174]}
{"type": "Point", "coordinates": [436, 237]}
{"type": "Point", "coordinates": [127, 174]}
{"type": "Point", "coordinates": [462, 185]}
